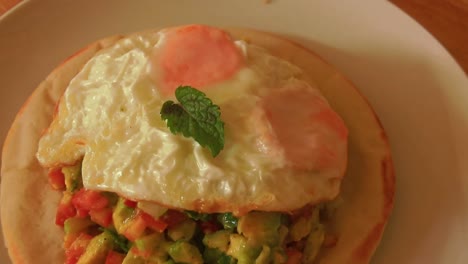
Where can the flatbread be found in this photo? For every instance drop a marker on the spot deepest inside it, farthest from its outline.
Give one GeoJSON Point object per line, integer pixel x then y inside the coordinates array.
{"type": "Point", "coordinates": [28, 204]}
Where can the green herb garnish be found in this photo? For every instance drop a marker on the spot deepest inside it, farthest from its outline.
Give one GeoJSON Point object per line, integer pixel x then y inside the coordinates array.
{"type": "Point", "coordinates": [228, 220]}
{"type": "Point", "coordinates": [195, 116]}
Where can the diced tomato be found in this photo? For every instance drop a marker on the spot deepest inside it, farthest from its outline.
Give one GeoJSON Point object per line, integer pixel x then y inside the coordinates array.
{"type": "Point", "coordinates": [209, 227]}
{"type": "Point", "coordinates": [155, 224]}
{"type": "Point", "coordinates": [114, 258]}
{"type": "Point", "coordinates": [173, 217]}
{"type": "Point", "coordinates": [77, 248]}
{"type": "Point", "coordinates": [65, 209]}
{"type": "Point", "coordinates": [102, 217]}
{"type": "Point", "coordinates": [294, 256]}
{"type": "Point", "coordinates": [89, 200]}
{"type": "Point", "coordinates": [57, 179]}
{"type": "Point", "coordinates": [130, 203]}
{"type": "Point", "coordinates": [82, 213]}
{"type": "Point", "coordinates": [135, 228]}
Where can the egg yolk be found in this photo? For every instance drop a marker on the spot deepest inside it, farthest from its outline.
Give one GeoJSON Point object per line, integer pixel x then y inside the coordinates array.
{"type": "Point", "coordinates": [194, 55]}
{"type": "Point", "coordinates": [298, 123]}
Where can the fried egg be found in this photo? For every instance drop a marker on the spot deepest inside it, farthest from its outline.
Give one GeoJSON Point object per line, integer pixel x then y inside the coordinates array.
{"type": "Point", "coordinates": [284, 145]}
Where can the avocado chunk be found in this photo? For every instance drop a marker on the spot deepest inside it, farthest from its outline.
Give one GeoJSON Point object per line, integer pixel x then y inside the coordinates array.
{"type": "Point", "coordinates": [303, 226]}
{"type": "Point", "coordinates": [242, 250]}
{"type": "Point", "coordinates": [121, 215]}
{"type": "Point", "coordinates": [73, 181]}
{"type": "Point", "coordinates": [184, 252]}
{"type": "Point", "coordinates": [76, 225]}
{"type": "Point", "coordinates": [97, 249]}
{"type": "Point", "coordinates": [215, 256]}
{"type": "Point", "coordinates": [218, 240]}
{"type": "Point", "coordinates": [133, 259]}
{"type": "Point", "coordinates": [159, 260]}
{"type": "Point", "coordinates": [314, 243]}
{"type": "Point", "coordinates": [283, 232]}
{"type": "Point", "coordinates": [265, 256]}
{"type": "Point", "coordinates": [183, 231]}
{"type": "Point", "coordinates": [261, 228]}
{"type": "Point", "coordinates": [153, 245]}
{"type": "Point", "coordinates": [272, 255]}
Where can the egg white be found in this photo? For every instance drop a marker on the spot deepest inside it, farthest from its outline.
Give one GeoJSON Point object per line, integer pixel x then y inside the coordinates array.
{"type": "Point", "coordinates": [109, 116]}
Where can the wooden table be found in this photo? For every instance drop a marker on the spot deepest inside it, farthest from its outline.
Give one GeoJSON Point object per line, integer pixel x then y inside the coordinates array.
{"type": "Point", "coordinates": [447, 20]}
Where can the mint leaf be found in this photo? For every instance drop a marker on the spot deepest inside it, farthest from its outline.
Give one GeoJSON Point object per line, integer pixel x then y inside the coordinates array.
{"type": "Point", "coordinates": [228, 220]}
{"type": "Point", "coordinates": [196, 116]}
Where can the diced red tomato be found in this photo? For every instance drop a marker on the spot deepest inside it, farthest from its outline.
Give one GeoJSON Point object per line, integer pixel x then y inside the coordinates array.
{"type": "Point", "coordinates": [102, 217]}
{"type": "Point", "coordinates": [77, 248]}
{"type": "Point", "coordinates": [65, 209]}
{"type": "Point", "coordinates": [130, 203]}
{"type": "Point", "coordinates": [57, 179]}
{"type": "Point", "coordinates": [82, 213]}
{"type": "Point", "coordinates": [89, 200]}
{"type": "Point", "coordinates": [294, 256]}
{"type": "Point", "coordinates": [155, 224]}
{"type": "Point", "coordinates": [209, 227]}
{"type": "Point", "coordinates": [135, 228]}
{"type": "Point", "coordinates": [114, 258]}
{"type": "Point", "coordinates": [173, 218]}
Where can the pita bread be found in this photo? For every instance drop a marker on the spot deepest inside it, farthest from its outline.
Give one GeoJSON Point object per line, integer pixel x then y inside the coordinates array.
{"type": "Point", "coordinates": [28, 204]}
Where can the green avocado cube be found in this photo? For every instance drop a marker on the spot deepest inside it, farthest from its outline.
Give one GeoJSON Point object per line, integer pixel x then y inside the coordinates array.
{"type": "Point", "coordinates": [73, 181]}
{"type": "Point", "coordinates": [314, 243]}
{"type": "Point", "coordinates": [261, 228]}
{"type": "Point", "coordinates": [265, 256]}
{"type": "Point", "coordinates": [121, 215]}
{"type": "Point", "coordinates": [76, 225]}
{"type": "Point", "coordinates": [133, 259]}
{"type": "Point", "coordinates": [218, 240]}
{"type": "Point", "coordinates": [183, 231]}
{"type": "Point", "coordinates": [153, 245]}
{"type": "Point", "coordinates": [215, 256]}
{"type": "Point", "coordinates": [97, 249]}
{"type": "Point", "coordinates": [242, 250]}
{"type": "Point", "coordinates": [184, 252]}
{"type": "Point", "coordinates": [303, 226]}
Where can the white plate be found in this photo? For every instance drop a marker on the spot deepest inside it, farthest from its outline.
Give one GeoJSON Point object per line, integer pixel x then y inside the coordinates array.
{"type": "Point", "coordinates": [416, 88]}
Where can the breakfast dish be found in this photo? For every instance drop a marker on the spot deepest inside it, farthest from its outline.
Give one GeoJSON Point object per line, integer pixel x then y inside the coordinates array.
{"type": "Point", "coordinates": [269, 156]}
